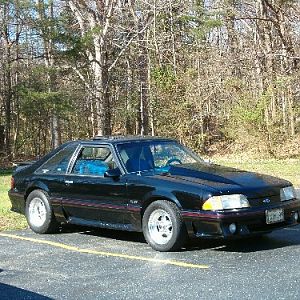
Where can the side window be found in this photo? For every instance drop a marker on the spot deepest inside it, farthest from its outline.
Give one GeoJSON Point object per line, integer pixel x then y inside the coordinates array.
{"type": "Point", "coordinates": [94, 161]}
{"type": "Point", "coordinates": [58, 163]}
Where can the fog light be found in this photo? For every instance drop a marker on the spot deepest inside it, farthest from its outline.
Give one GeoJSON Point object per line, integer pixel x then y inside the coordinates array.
{"type": "Point", "coordinates": [232, 228]}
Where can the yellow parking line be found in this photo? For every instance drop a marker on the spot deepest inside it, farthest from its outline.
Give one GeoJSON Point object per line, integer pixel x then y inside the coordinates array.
{"type": "Point", "coordinates": [104, 253]}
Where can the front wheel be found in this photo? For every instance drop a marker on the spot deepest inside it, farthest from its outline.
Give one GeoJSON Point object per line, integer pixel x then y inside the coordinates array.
{"type": "Point", "coordinates": [39, 213]}
{"type": "Point", "coordinates": [163, 227]}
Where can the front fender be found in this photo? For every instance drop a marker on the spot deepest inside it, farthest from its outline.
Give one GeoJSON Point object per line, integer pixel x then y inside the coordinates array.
{"type": "Point", "coordinates": [159, 195]}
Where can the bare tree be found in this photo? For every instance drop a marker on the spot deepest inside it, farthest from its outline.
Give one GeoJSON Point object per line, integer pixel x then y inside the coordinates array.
{"type": "Point", "coordinates": [94, 18]}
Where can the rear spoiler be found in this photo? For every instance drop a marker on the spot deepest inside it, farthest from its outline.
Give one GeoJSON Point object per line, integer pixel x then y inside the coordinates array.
{"type": "Point", "coordinates": [21, 165]}
{"type": "Point", "coordinates": [24, 163]}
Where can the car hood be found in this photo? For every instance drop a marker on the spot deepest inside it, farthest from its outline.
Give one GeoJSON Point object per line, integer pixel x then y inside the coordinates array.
{"type": "Point", "coordinates": [225, 179]}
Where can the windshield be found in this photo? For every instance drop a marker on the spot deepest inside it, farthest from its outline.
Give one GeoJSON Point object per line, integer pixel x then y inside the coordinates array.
{"type": "Point", "coordinates": [154, 155]}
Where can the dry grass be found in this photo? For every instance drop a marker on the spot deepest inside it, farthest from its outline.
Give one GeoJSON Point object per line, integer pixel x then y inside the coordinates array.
{"type": "Point", "coordinates": [288, 169]}
{"type": "Point", "coordinates": [8, 219]}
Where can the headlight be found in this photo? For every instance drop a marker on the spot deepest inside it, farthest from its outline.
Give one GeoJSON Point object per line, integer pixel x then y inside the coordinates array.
{"type": "Point", "coordinates": [226, 202]}
{"type": "Point", "coordinates": [287, 193]}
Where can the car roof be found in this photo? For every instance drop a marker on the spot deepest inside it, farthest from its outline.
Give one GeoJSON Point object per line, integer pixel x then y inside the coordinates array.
{"type": "Point", "coordinates": [117, 139]}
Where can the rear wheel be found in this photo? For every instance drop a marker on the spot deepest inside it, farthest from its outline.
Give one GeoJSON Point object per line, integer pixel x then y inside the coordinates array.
{"type": "Point", "coordinates": [163, 227]}
{"type": "Point", "coordinates": [39, 213]}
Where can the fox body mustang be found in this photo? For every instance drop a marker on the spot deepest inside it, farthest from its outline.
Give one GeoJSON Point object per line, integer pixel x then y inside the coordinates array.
{"type": "Point", "coordinates": [149, 184]}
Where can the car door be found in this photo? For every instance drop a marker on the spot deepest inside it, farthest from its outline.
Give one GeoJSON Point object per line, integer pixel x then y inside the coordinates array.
{"type": "Point", "coordinates": [89, 197]}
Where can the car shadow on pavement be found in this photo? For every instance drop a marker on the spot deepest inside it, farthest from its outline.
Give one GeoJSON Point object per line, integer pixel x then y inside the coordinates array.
{"type": "Point", "coordinates": [12, 292]}
{"type": "Point", "coordinates": [128, 236]}
{"type": "Point", "coordinates": [120, 235]}
{"type": "Point", "coordinates": [275, 240]}
{"type": "Point", "coordinates": [70, 228]}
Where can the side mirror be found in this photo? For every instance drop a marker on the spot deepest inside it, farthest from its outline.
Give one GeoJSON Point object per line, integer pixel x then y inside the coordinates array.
{"type": "Point", "coordinates": [113, 173]}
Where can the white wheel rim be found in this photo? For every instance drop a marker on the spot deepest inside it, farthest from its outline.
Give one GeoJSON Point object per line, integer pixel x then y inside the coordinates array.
{"type": "Point", "coordinates": [160, 227]}
{"type": "Point", "coordinates": [37, 212]}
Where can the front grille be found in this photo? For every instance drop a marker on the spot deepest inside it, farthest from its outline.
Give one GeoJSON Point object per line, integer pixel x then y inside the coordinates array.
{"type": "Point", "coordinates": [264, 201]}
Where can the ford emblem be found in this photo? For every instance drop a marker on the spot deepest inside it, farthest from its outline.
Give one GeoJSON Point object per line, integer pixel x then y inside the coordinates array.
{"type": "Point", "coordinates": [266, 200]}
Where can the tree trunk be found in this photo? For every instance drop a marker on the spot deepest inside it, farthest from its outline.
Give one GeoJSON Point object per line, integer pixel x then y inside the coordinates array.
{"type": "Point", "coordinates": [7, 80]}
{"type": "Point", "coordinates": [46, 32]}
{"type": "Point", "coordinates": [129, 127]}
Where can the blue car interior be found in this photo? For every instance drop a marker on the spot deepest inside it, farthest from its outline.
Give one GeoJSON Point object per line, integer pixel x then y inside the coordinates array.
{"type": "Point", "coordinates": [90, 167]}
{"type": "Point", "coordinates": [133, 165]}
{"type": "Point", "coordinates": [140, 159]}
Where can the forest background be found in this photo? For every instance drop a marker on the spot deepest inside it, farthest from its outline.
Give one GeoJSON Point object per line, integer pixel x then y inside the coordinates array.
{"type": "Point", "coordinates": [220, 76]}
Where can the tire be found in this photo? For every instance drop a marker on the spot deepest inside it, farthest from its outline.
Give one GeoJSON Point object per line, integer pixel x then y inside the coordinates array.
{"type": "Point", "coordinates": [39, 213]}
{"type": "Point", "coordinates": [163, 227]}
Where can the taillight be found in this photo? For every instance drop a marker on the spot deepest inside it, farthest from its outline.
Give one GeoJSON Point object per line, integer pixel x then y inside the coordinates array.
{"type": "Point", "coordinates": [12, 183]}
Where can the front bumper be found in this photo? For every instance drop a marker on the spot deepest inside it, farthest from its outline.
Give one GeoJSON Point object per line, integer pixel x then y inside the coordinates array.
{"type": "Point", "coordinates": [250, 221]}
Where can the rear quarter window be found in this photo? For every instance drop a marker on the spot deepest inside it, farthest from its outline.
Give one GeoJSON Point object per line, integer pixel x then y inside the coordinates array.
{"type": "Point", "coordinates": [58, 164]}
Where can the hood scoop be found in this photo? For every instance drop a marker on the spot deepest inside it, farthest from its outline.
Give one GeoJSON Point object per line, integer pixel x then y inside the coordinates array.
{"type": "Point", "coordinates": [205, 173]}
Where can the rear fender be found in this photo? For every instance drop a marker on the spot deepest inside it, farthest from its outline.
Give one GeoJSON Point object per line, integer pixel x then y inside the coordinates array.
{"type": "Point", "coordinates": [34, 186]}
{"type": "Point", "coordinates": [56, 205]}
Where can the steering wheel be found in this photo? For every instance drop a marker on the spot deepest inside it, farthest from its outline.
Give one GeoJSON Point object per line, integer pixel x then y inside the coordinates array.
{"type": "Point", "coordinates": [173, 160]}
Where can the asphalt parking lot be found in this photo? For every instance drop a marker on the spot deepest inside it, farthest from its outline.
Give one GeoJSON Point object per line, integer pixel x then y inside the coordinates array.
{"type": "Point", "coordinates": [102, 264]}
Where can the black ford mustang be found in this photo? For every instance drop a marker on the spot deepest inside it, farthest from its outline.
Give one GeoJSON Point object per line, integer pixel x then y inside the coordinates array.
{"type": "Point", "coordinates": [153, 185]}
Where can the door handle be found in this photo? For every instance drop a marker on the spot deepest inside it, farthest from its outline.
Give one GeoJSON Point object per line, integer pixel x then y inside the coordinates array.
{"type": "Point", "coordinates": [68, 181]}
